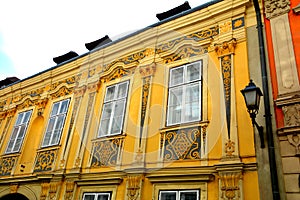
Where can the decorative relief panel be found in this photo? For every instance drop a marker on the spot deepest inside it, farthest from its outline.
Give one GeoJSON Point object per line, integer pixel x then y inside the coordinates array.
{"type": "Point", "coordinates": [182, 144]}
{"type": "Point", "coordinates": [27, 103]}
{"type": "Point", "coordinates": [106, 152]}
{"type": "Point", "coordinates": [45, 160]}
{"type": "Point", "coordinates": [274, 8]}
{"type": "Point", "coordinates": [7, 164]}
{"type": "Point", "coordinates": [291, 115]}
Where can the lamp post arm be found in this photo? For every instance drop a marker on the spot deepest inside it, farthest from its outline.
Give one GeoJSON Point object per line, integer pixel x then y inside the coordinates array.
{"type": "Point", "coordinates": [260, 132]}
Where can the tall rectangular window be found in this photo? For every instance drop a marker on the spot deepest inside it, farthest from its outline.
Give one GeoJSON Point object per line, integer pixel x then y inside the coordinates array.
{"type": "Point", "coordinates": [56, 123]}
{"type": "Point", "coordinates": [19, 130]}
{"type": "Point", "coordinates": [184, 100]}
{"type": "Point", "coordinates": [96, 196]}
{"type": "Point", "coordinates": [112, 117]}
{"type": "Point", "coordinates": [179, 195]}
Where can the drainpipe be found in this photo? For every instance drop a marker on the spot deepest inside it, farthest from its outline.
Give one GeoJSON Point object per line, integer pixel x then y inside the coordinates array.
{"type": "Point", "coordinates": [268, 121]}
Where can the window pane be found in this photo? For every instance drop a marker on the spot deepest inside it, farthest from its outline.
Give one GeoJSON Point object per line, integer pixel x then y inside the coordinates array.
{"type": "Point", "coordinates": [26, 117]}
{"type": "Point", "coordinates": [103, 197]}
{"type": "Point", "coordinates": [51, 125]}
{"type": "Point", "coordinates": [110, 92]}
{"type": "Point", "coordinates": [105, 119]}
{"type": "Point", "coordinates": [64, 106]}
{"type": "Point", "coordinates": [55, 109]}
{"type": "Point", "coordinates": [17, 145]}
{"type": "Point", "coordinates": [175, 105]}
{"type": "Point", "coordinates": [89, 197]}
{"type": "Point", "coordinates": [20, 117]}
{"type": "Point", "coordinates": [192, 103]}
{"type": "Point", "coordinates": [47, 139]}
{"type": "Point", "coordinates": [122, 91]}
{"type": "Point", "coordinates": [22, 131]}
{"type": "Point", "coordinates": [55, 137]}
{"type": "Point", "coordinates": [188, 195]}
{"type": "Point", "coordinates": [176, 76]}
{"type": "Point", "coordinates": [193, 72]}
{"type": "Point", "coordinates": [168, 195]}
{"type": "Point", "coordinates": [59, 122]}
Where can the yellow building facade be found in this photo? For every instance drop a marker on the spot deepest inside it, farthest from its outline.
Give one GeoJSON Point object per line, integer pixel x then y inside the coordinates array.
{"type": "Point", "coordinates": [157, 114]}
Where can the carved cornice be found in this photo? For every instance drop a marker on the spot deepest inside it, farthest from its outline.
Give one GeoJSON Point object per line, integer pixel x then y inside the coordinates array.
{"type": "Point", "coordinates": [225, 48]}
{"type": "Point", "coordinates": [275, 8]}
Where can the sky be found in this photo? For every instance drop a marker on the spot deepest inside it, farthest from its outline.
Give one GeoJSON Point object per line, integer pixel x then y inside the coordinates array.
{"type": "Point", "coordinates": [32, 32]}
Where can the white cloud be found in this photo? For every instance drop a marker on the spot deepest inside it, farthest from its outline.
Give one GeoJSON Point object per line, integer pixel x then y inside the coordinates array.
{"type": "Point", "coordinates": [33, 31]}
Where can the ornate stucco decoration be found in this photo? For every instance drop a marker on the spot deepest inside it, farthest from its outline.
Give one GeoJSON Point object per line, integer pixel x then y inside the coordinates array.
{"type": "Point", "coordinates": [93, 87]}
{"type": "Point", "coordinates": [225, 48]}
{"type": "Point", "coordinates": [13, 187]}
{"type": "Point", "coordinates": [79, 91]}
{"type": "Point", "coordinates": [62, 91]}
{"type": "Point", "coordinates": [182, 144]}
{"type": "Point", "coordinates": [70, 185]}
{"type": "Point", "coordinates": [41, 105]}
{"type": "Point", "coordinates": [291, 114]}
{"type": "Point", "coordinates": [133, 187]}
{"type": "Point", "coordinates": [230, 187]}
{"type": "Point", "coordinates": [148, 70]}
{"type": "Point", "coordinates": [45, 160]}
{"type": "Point", "coordinates": [229, 148]}
{"type": "Point", "coordinates": [26, 103]}
{"type": "Point", "coordinates": [44, 190]}
{"type": "Point", "coordinates": [53, 190]}
{"type": "Point", "coordinates": [294, 140]}
{"type": "Point", "coordinates": [7, 164]}
{"type": "Point", "coordinates": [116, 73]}
{"type": "Point", "coordinates": [275, 8]}
{"type": "Point", "coordinates": [106, 152]}
{"type": "Point", "coordinates": [130, 60]}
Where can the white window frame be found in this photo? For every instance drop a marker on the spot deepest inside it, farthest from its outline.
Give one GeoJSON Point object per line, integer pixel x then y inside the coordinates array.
{"type": "Point", "coordinates": [97, 194]}
{"type": "Point", "coordinates": [183, 86]}
{"type": "Point", "coordinates": [17, 132]}
{"type": "Point", "coordinates": [178, 193]}
{"type": "Point", "coordinates": [114, 101]}
{"type": "Point", "coordinates": [55, 117]}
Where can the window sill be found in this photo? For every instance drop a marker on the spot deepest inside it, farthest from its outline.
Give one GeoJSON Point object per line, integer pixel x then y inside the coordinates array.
{"type": "Point", "coordinates": [185, 125]}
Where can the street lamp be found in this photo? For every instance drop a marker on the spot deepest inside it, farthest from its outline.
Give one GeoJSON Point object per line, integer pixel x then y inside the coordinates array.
{"type": "Point", "coordinates": [252, 96]}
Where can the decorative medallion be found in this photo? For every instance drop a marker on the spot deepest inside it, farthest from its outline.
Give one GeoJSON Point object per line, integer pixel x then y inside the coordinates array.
{"type": "Point", "coordinates": [183, 144]}
{"type": "Point", "coordinates": [225, 27]}
{"type": "Point", "coordinates": [148, 70]}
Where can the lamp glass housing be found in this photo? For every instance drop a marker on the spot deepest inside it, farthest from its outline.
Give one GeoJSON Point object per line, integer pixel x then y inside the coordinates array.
{"type": "Point", "coordinates": [252, 96]}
